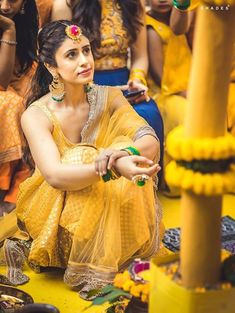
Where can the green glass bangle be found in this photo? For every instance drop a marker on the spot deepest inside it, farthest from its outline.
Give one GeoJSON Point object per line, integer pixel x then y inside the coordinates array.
{"type": "Point", "coordinates": [132, 150]}
{"type": "Point", "coordinates": [111, 174]}
{"type": "Point", "coordinates": [181, 7]}
{"type": "Point", "coordinates": [107, 176]}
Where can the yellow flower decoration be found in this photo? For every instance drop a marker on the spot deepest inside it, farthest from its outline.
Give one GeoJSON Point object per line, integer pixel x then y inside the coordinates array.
{"type": "Point", "coordinates": [127, 285]}
{"type": "Point", "coordinates": [202, 184]}
{"type": "Point", "coordinates": [180, 147]}
{"type": "Point", "coordinates": [120, 279]}
{"type": "Point", "coordinates": [136, 289]}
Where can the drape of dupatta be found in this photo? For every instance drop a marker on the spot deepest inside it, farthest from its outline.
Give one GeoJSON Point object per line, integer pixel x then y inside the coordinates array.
{"type": "Point", "coordinates": [96, 231]}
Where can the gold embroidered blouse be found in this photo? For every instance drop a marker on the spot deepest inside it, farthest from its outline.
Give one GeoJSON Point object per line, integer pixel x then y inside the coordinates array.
{"type": "Point", "coordinates": [113, 52]}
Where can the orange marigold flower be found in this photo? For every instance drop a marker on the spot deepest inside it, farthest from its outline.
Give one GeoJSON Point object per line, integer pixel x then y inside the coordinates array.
{"type": "Point", "coordinates": [127, 285]}
{"type": "Point", "coordinates": [146, 289]}
{"type": "Point", "coordinates": [135, 291]}
{"type": "Point", "coordinates": [144, 298]}
{"type": "Point", "coordinates": [120, 279]}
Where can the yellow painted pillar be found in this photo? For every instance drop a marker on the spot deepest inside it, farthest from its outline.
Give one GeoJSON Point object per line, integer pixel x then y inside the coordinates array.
{"type": "Point", "coordinates": [206, 117]}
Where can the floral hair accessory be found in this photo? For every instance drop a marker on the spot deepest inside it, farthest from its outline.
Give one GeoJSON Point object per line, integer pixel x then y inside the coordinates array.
{"type": "Point", "coordinates": [73, 32]}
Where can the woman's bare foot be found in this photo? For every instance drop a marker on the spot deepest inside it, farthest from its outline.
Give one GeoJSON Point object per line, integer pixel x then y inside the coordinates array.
{"type": "Point", "coordinates": [6, 207]}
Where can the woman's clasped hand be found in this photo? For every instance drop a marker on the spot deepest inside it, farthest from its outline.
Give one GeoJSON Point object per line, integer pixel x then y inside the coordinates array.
{"type": "Point", "coordinates": [126, 165]}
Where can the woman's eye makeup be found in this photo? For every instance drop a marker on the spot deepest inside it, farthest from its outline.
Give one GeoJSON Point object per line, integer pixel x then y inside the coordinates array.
{"type": "Point", "coordinates": [86, 50]}
{"type": "Point", "coordinates": [71, 54]}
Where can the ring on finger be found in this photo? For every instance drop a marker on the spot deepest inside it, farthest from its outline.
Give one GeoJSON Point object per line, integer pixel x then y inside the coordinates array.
{"type": "Point", "coordinates": [140, 180]}
{"type": "Point", "coordinates": [108, 155]}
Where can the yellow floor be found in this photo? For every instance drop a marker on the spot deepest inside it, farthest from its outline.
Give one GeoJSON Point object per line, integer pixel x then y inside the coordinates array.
{"type": "Point", "coordinates": [171, 208]}
{"type": "Point", "coordinates": [49, 287]}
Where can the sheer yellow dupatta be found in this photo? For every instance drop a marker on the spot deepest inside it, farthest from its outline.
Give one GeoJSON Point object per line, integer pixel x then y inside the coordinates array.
{"type": "Point", "coordinates": [121, 220]}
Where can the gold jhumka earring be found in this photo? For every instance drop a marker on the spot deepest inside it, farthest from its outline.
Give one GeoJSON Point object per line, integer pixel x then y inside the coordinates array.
{"type": "Point", "coordinates": [57, 89]}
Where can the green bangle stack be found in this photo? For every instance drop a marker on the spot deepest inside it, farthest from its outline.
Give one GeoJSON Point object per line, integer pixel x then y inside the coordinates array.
{"type": "Point", "coordinates": [131, 150]}
{"type": "Point", "coordinates": [181, 5]}
{"type": "Point", "coordinates": [107, 176]}
{"type": "Point", "coordinates": [111, 174]}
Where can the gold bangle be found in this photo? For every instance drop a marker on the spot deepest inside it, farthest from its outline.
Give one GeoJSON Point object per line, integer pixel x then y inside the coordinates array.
{"type": "Point", "coordinates": [131, 150]}
{"type": "Point", "coordinates": [139, 74]}
{"type": "Point", "coordinates": [9, 42]}
{"type": "Point", "coordinates": [139, 77]}
{"type": "Point", "coordinates": [138, 70]}
{"type": "Point", "coordinates": [115, 173]}
{"type": "Point", "coordinates": [128, 151]}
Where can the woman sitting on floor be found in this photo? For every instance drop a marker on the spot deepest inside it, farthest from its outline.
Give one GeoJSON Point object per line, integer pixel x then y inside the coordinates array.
{"type": "Point", "coordinates": [88, 207]}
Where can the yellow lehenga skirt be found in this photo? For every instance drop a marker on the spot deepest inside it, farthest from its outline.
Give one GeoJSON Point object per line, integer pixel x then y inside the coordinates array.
{"type": "Point", "coordinates": [96, 231]}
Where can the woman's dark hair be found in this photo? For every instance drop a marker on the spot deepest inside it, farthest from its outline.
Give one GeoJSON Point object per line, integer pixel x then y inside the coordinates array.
{"type": "Point", "coordinates": [50, 38]}
{"type": "Point", "coordinates": [26, 35]}
{"type": "Point", "coordinates": [88, 14]}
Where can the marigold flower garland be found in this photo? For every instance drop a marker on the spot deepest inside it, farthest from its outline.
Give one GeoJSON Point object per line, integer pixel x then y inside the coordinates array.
{"type": "Point", "coordinates": [188, 149]}
{"type": "Point", "coordinates": [203, 184]}
{"type": "Point", "coordinates": [136, 289]}
{"type": "Point", "coordinates": [187, 174]}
